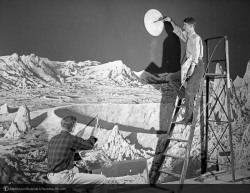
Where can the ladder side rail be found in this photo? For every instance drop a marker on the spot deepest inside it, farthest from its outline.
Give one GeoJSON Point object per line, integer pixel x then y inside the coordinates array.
{"type": "Point", "coordinates": [229, 109]}
{"type": "Point", "coordinates": [191, 135]}
{"type": "Point", "coordinates": [202, 131]}
{"type": "Point", "coordinates": [205, 140]}
{"type": "Point", "coordinates": [207, 56]}
{"type": "Point", "coordinates": [227, 62]}
{"type": "Point", "coordinates": [204, 161]}
{"type": "Point", "coordinates": [231, 136]}
{"type": "Point", "coordinates": [161, 146]}
{"type": "Point", "coordinates": [174, 115]}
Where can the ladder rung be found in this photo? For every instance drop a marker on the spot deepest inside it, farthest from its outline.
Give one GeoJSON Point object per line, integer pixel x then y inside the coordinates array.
{"type": "Point", "coordinates": [218, 37]}
{"type": "Point", "coordinates": [212, 75]}
{"type": "Point", "coordinates": [174, 156]}
{"type": "Point", "coordinates": [225, 153]}
{"type": "Point", "coordinates": [181, 140]}
{"type": "Point", "coordinates": [181, 123]}
{"type": "Point", "coordinates": [220, 60]}
{"type": "Point", "coordinates": [218, 163]}
{"type": "Point", "coordinates": [170, 173]}
{"type": "Point", "coordinates": [220, 121]}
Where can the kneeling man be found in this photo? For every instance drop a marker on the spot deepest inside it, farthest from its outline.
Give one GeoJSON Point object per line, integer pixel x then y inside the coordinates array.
{"type": "Point", "coordinates": [61, 153]}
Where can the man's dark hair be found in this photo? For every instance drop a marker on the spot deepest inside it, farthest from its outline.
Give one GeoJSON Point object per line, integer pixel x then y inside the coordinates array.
{"type": "Point", "coordinates": [190, 20]}
{"type": "Point", "coordinates": [68, 122]}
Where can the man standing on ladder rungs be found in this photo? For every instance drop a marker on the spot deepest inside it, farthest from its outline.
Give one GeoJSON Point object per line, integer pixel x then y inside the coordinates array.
{"type": "Point", "coordinates": [195, 70]}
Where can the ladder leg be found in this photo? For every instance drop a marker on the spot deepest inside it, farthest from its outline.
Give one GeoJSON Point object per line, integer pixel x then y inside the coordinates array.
{"type": "Point", "coordinates": [161, 146]}
{"type": "Point", "coordinates": [226, 76]}
{"type": "Point", "coordinates": [229, 107]}
{"type": "Point", "coordinates": [161, 150]}
{"type": "Point", "coordinates": [191, 135]}
{"type": "Point", "coordinates": [230, 134]}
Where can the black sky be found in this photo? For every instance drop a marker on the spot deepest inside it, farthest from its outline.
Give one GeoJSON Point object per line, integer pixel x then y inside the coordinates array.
{"type": "Point", "coordinates": [108, 30]}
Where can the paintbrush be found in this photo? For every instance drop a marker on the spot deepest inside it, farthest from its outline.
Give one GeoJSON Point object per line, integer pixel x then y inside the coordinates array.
{"type": "Point", "coordinates": [160, 19]}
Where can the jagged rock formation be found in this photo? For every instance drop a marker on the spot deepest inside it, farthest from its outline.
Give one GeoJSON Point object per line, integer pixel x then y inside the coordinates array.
{"type": "Point", "coordinates": [246, 83]}
{"type": "Point", "coordinates": [4, 172]}
{"type": "Point", "coordinates": [118, 148]}
{"type": "Point", "coordinates": [26, 71]}
{"type": "Point", "coordinates": [241, 113]}
{"type": "Point", "coordinates": [32, 71]}
{"type": "Point", "coordinates": [4, 109]}
{"type": "Point", "coordinates": [112, 73]}
{"type": "Point", "coordinates": [20, 125]}
{"type": "Point", "coordinates": [243, 151]}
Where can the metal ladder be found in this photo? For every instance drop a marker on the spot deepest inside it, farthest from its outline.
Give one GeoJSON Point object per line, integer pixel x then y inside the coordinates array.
{"type": "Point", "coordinates": [163, 143]}
{"type": "Point", "coordinates": [162, 147]}
{"type": "Point", "coordinates": [209, 107]}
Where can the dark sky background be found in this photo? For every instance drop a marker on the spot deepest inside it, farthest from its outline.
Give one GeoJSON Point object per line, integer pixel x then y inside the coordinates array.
{"type": "Point", "coordinates": [108, 30]}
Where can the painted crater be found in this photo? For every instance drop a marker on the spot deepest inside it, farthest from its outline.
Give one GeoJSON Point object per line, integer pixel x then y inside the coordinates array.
{"type": "Point", "coordinates": [140, 123]}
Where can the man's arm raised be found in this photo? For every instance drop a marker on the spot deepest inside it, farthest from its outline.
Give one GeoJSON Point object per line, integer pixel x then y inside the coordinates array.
{"type": "Point", "coordinates": [177, 30]}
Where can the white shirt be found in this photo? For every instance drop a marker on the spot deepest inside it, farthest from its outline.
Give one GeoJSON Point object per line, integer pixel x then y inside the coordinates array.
{"type": "Point", "coordinates": [194, 46]}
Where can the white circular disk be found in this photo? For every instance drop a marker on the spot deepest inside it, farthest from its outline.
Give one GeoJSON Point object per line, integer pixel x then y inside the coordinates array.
{"type": "Point", "coordinates": [153, 26]}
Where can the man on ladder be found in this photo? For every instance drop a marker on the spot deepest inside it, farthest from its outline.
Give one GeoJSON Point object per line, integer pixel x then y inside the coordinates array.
{"type": "Point", "coordinates": [194, 66]}
{"type": "Point", "coordinates": [192, 71]}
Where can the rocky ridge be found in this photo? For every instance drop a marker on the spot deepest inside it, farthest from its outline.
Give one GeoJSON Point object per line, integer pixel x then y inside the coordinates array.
{"type": "Point", "coordinates": [20, 125]}
{"type": "Point", "coordinates": [32, 71]}
{"type": "Point", "coordinates": [119, 148]}
{"type": "Point", "coordinates": [241, 113]}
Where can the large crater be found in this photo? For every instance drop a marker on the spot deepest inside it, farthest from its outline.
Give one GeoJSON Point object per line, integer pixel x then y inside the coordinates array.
{"type": "Point", "coordinates": [140, 123]}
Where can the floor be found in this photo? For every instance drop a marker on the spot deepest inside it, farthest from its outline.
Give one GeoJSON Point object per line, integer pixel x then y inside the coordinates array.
{"type": "Point", "coordinates": [212, 182]}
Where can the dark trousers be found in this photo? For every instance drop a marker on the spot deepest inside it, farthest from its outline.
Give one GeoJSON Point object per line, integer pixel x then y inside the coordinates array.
{"type": "Point", "coordinates": [191, 89]}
